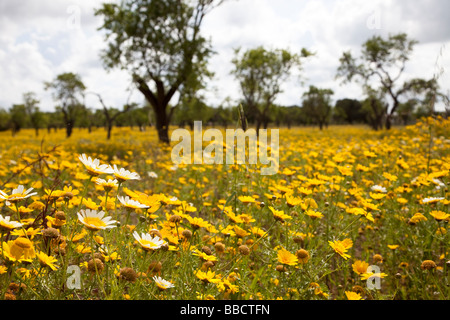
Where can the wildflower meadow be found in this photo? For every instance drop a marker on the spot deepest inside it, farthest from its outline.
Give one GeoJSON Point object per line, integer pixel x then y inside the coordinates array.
{"type": "Point", "coordinates": [351, 214]}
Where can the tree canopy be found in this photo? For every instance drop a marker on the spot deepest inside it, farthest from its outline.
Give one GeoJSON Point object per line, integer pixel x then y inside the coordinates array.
{"type": "Point", "coordinates": [68, 89]}
{"type": "Point", "coordinates": [380, 66]}
{"type": "Point", "coordinates": [159, 43]}
{"type": "Point", "coordinates": [261, 73]}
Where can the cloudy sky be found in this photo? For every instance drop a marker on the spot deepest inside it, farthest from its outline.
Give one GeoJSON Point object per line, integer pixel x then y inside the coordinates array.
{"type": "Point", "coordinates": [41, 39]}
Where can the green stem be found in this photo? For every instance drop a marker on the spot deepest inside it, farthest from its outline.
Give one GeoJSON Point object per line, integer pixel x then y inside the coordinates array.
{"type": "Point", "coordinates": [97, 274]}
{"type": "Point", "coordinates": [84, 192]}
{"type": "Point", "coordinates": [117, 195]}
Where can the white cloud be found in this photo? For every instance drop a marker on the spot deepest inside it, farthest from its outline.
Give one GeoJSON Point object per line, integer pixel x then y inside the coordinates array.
{"type": "Point", "coordinates": [41, 39]}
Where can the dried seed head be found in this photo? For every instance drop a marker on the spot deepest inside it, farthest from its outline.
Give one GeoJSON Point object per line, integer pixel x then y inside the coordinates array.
{"type": "Point", "coordinates": [154, 267]}
{"type": "Point", "coordinates": [298, 239]}
{"type": "Point", "coordinates": [154, 233]}
{"type": "Point", "coordinates": [51, 233]}
{"type": "Point", "coordinates": [60, 215]}
{"type": "Point", "coordinates": [244, 250]}
{"type": "Point", "coordinates": [302, 254]}
{"type": "Point", "coordinates": [207, 250]}
{"type": "Point", "coordinates": [280, 268]}
{"type": "Point", "coordinates": [128, 274]}
{"type": "Point", "coordinates": [220, 247]}
{"type": "Point", "coordinates": [207, 265]}
{"type": "Point", "coordinates": [175, 218]}
{"type": "Point", "coordinates": [68, 195]}
{"type": "Point", "coordinates": [428, 265]}
{"type": "Point", "coordinates": [187, 233]}
{"type": "Point", "coordinates": [377, 258]}
{"type": "Point", "coordinates": [95, 265]}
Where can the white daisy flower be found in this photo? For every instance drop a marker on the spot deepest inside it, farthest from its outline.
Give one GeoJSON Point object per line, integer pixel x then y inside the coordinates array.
{"type": "Point", "coordinates": [123, 174]}
{"type": "Point", "coordinates": [432, 199]}
{"type": "Point", "coordinates": [163, 284]}
{"type": "Point", "coordinates": [7, 225]}
{"type": "Point", "coordinates": [148, 242]}
{"type": "Point", "coordinates": [152, 174]}
{"type": "Point", "coordinates": [94, 167]}
{"type": "Point", "coordinates": [378, 188]}
{"type": "Point", "coordinates": [132, 204]}
{"type": "Point", "coordinates": [95, 220]}
{"type": "Point", "coordinates": [17, 194]}
{"type": "Point", "coordinates": [107, 185]}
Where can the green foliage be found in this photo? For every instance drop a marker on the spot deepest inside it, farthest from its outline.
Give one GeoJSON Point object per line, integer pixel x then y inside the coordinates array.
{"type": "Point", "coordinates": [317, 105]}
{"type": "Point", "coordinates": [4, 119]}
{"type": "Point", "coordinates": [381, 65]}
{"type": "Point", "coordinates": [68, 90]}
{"type": "Point", "coordinates": [37, 119]}
{"type": "Point", "coordinates": [18, 117]}
{"type": "Point", "coordinates": [260, 73]}
{"type": "Point", "coordinates": [349, 110]}
{"type": "Point", "coordinates": [374, 107]}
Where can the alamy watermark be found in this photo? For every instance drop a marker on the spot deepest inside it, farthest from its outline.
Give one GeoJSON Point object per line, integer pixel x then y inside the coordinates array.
{"type": "Point", "coordinates": [74, 20]}
{"type": "Point", "coordinates": [374, 281]}
{"type": "Point", "coordinates": [373, 22]}
{"type": "Point", "coordinates": [234, 143]}
{"type": "Point", "coordinates": [74, 280]}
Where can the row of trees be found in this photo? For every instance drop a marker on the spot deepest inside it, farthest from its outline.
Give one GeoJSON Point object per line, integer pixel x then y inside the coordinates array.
{"type": "Point", "coordinates": [159, 43]}
{"type": "Point", "coordinates": [69, 91]}
{"type": "Point", "coordinates": [316, 109]}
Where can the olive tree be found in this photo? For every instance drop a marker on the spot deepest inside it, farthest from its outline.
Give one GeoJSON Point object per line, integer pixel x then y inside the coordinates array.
{"type": "Point", "coordinates": [158, 42]}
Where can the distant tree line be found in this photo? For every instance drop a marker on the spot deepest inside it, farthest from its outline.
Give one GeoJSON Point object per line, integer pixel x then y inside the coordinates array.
{"type": "Point", "coordinates": [316, 109]}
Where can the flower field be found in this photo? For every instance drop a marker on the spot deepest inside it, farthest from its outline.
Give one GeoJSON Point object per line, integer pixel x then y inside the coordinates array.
{"type": "Point", "coordinates": [351, 214]}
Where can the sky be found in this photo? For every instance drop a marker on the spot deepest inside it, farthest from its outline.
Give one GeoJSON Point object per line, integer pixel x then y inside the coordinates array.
{"type": "Point", "coordinates": [41, 39]}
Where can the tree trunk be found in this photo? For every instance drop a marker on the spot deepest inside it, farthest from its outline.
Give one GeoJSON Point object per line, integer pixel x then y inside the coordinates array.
{"type": "Point", "coordinates": [388, 122]}
{"type": "Point", "coordinates": [109, 129]}
{"type": "Point", "coordinates": [69, 129]}
{"type": "Point", "coordinates": [159, 103]}
{"type": "Point", "coordinates": [162, 125]}
{"type": "Point", "coordinates": [390, 114]}
{"type": "Point", "coordinates": [258, 126]}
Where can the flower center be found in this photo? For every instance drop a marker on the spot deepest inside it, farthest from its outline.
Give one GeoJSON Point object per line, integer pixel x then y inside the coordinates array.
{"type": "Point", "coordinates": [148, 244]}
{"type": "Point", "coordinates": [96, 222]}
